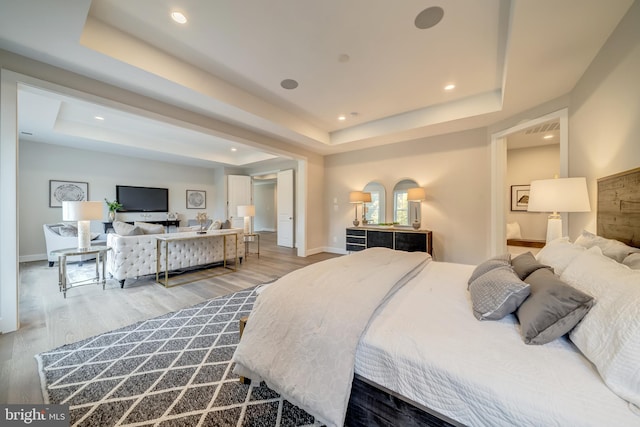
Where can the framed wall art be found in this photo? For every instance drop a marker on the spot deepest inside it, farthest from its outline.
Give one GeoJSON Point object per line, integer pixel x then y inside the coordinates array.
{"type": "Point", "coordinates": [519, 197]}
{"type": "Point", "coordinates": [196, 199]}
{"type": "Point", "coordinates": [67, 191]}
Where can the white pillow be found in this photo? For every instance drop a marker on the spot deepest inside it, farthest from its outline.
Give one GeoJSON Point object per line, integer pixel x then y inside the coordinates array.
{"type": "Point", "coordinates": [559, 253]}
{"type": "Point", "coordinates": [513, 230]}
{"type": "Point", "coordinates": [610, 247]}
{"type": "Point", "coordinates": [609, 335]}
{"type": "Point", "coordinates": [632, 261]}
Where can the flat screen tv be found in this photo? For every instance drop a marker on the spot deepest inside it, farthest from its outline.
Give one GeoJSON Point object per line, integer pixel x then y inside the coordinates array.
{"type": "Point", "coordinates": [142, 199]}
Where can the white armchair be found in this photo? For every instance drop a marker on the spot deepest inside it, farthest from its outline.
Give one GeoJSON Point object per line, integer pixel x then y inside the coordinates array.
{"type": "Point", "coordinates": [55, 238]}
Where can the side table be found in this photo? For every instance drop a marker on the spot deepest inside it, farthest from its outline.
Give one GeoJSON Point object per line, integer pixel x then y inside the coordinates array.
{"type": "Point", "coordinates": [62, 254]}
{"type": "Point", "coordinates": [251, 238]}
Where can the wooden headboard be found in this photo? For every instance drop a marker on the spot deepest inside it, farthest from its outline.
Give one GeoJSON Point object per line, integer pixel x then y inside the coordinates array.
{"type": "Point", "coordinates": [619, 207]}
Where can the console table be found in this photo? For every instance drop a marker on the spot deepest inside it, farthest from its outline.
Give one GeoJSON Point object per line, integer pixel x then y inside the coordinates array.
{"type": "Point", "coordinates": [175, 237]}
{"type": "Point", "coordinates": [402, 239]}
{"type": "Point", "coordinates": [108, 225]}
{"type": "Point", "coordinates": [62, 254]}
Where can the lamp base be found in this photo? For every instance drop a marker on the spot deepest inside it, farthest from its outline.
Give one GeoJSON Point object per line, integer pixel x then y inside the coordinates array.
{"type": "Point", "coordinates": [554, 227]}
{"type": "Point", "coordinates": [356, 222]}
{"type": "Point", "coordinates": [84, 235]}
{"type": "Point", "coordinates": [416, 225]}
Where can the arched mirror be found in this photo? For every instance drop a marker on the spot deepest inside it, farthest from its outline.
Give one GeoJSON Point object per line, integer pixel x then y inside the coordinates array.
{"type": "Point", "coordinates": [374, 210]}
{"type": "Point", "coordinates": [405, 212]}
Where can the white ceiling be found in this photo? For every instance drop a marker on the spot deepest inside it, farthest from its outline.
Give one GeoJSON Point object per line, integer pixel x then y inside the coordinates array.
{"type": "Point", "coordinates": [359, 56]}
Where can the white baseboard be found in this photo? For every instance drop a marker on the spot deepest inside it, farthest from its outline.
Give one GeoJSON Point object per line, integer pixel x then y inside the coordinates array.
{"type": "Point", "coordinates": [30, 258]}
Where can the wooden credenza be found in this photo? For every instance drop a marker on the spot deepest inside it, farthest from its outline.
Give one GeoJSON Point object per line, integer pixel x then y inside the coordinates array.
{"type": "Point", "coordinates": [360, 238]}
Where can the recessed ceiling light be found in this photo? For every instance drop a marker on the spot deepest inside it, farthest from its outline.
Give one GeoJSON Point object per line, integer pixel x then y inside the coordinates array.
{"type": "Point", "coordinates": [98, 117]}
{"type": "Point", "coordinates": [450, 87]}
{"type": "Point", "coordinates": [179, 17]}
{"type": "Point", "coordinates": [548, 136]}
{"type": "Point", "coordinates": [289, 84]}
{"type": "Point", "coordinates": [342, 117]}
{"type": "Point", "coordinates": [430, 17]}
{"type": "Point", "coordinates": [234, 149]}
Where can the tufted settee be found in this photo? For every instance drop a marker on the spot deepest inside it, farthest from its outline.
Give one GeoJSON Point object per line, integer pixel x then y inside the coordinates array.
{"type": "Point", "coordinates": [135, 256]}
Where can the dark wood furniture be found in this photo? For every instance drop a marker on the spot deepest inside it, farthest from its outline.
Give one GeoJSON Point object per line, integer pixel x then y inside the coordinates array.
{"type": "Point", "coordinates": [108, 225]}
{"type": "Point", "coordinates": [402, 239]}
{"type": "Point", "coordinates": [527, 243]}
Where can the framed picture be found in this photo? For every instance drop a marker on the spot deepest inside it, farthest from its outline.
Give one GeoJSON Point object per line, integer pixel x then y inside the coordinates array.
{"type": "Point", "coordinates": [519, 197]}
{"type": "Point", "coordinates": [196, 199]}
{"type": "Point", "coordinates": [67, 191]}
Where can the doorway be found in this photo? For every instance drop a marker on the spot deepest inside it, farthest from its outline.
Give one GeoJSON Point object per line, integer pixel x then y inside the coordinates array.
{"type": "Point", "coordinates": [499, 200]}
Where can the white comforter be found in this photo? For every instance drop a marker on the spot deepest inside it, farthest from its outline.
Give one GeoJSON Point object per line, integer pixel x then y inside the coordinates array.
{"type": "Point", "coordinates": [302, 334]}
{"type": "Point", "coordinates": [427, 345]}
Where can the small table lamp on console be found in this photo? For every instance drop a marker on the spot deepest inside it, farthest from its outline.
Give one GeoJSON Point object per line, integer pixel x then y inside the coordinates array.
{"type": "Point", "coordinates": [356, 197]}
{"type": "Point", "coordinates": [416, 195]}
{"type": "Point", "coordinates": [558, 195]}
{"type": "Point", "coordinates": [83, 212]}
{"type": "Point", "coordinates": [247, 211]}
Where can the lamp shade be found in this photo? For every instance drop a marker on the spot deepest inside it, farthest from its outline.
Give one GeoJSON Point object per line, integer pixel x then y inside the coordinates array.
{"type": "Point", "coordinates": [81, 211]}
{"type": "Point", "coordinates": [416, 194]}
{"type": "Point", "coordinates": [246, 210]}
{"type": "Point", "coordinates": [559, 195]}
{"type": "Point", "coordinates": [356, 197]}
{"type": "Point", "coordinates": [366, 197]}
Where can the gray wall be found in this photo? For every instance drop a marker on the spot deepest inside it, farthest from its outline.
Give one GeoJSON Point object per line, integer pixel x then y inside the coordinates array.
{"type": "Point", "coordinates": [41, 162]}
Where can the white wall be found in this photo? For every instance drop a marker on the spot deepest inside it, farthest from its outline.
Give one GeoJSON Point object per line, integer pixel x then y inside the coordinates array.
{"type": "Point", "coordinates": [453, 169]}
{"type": "Point", "coordinates": [604, 114]}
{"type": "Point", "coordinates": [264, 199]}
{"type": "Point", "coordinates": [41, 162]}
{"type": "Point", "coordinates": [523, 166]}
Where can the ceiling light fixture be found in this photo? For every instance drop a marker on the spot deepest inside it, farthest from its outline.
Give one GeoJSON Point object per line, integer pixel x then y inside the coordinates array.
{"type": "Point", "coordinates": [234, 149]}
{"type": "Point", "coordinates": [450, 87]}
{"type": "Point", "coordinates": [98, 118]}
{"type": "Point", "coordinates": [179, 17]}
{"type": "Point", "coordinates": [547, 136]}
{"type": "Point", "coordinates": [342, 117]}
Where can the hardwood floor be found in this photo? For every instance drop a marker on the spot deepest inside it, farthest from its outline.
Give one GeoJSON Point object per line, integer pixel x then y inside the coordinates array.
{"type": "Point", "coordinates": [49, 321]}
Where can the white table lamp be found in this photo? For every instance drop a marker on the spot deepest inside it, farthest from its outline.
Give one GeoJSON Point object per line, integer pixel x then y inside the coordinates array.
{"type": "Point", "coordinates": [83, 212]}
{"type": "Point", "coordinates": [558, 195]}
{"type": "Point", "coordinates": [356, 197]}
{"type": "Point", "coordinates": [416, 195]}
{"type": "Point", "coordinates": [247, 211]}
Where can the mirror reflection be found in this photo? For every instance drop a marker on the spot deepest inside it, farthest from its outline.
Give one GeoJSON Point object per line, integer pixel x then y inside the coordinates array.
{"type": "Point", "coordinates": [374, 210]}
{"type": "Point", "coordinates": [404, 211]}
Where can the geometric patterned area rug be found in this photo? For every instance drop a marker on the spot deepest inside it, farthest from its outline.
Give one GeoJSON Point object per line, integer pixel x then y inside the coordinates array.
{"type": "Point", "coordinates": [172, 370]}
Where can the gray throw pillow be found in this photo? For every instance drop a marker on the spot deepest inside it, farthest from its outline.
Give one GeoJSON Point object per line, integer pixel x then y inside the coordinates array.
{"type": "Point", "coordinates": [68, 230]}
{"type": "Point", "coordinates": [490, 264]}
{"type": "Point", "coordinates": [497, 293]}
{"type": "Point", "coordinates": [124, 229]}
{"type": "Point", "coordinates": [226, 225]}
{"type": "Point", "coordinates": [525, 264]}
{"type": "Point", "coordinates": [552, 309]}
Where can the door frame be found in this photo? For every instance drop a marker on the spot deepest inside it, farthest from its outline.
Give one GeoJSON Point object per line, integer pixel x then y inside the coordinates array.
{"type": "Point", "coordinates": [497, 238]}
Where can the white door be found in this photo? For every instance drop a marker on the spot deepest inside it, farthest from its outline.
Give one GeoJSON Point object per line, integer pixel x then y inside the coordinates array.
{"type": "Point", "coordinates": [238, 193]}
{"type": "Point", "coordinates": [285, 208]}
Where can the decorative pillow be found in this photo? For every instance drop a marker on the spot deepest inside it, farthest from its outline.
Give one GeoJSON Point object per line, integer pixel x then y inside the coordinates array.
{"type": "Point", "coordinates": [215, 225]}
{"type": "Point", "coordinates": [226, 224]}
{"type": "Point", "coordinates": [513, 230]}
{"type": "Point", "coordinates": [149, 228]}
{"type": "Point", "coordinates": [124, 229]}
{"type": "Point", "coordinates": [497, 293]}
{"type": "Point", "coordinates": [609, 335]}
{"type": "Point", "coordinates": [632, 261]}
{"type": "Point", "coordinates": [610, 247]}
{"type": "Point", "coordinates": [552, 309]}
{"type": "Point", "coordinates": [488, 265]}
{"type": "Point", "coordinates": [525, 264]}
{"type": "Point", "coordinates": [558, 253]}
{"type": "Point", "coordinates": [68, 230]}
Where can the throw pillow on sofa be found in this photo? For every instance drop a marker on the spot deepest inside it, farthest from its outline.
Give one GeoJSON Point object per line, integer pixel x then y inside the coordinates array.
{"type": "Point", "coordinates": [124, 229]}
{"type": "Point", "coordinates": [148, 228]}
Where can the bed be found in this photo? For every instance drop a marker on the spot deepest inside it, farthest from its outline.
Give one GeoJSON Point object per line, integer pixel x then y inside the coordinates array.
{"type": "Point", "coordinates": [423, 358]}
